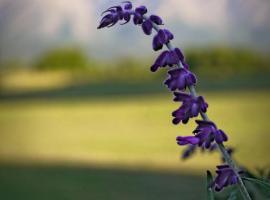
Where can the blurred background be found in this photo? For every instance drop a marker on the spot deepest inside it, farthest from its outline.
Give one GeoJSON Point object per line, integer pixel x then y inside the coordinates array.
{"type": "Point", "coordinates": [82, 116]}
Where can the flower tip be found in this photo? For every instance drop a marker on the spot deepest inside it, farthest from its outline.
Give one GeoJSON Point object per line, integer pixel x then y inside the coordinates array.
{"type": "Point", "coordinates": [175, 121]}
{"type": "Point", "coordinates": [153, 68]}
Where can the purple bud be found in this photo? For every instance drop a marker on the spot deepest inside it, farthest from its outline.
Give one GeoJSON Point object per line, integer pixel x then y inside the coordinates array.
{"type": "Point", "coordinates": [147, 27]}
{"type": "Point", "coordinates": [141, 10]}
{"type": "Point", "coordinates": [137, 19]}
{"type": "Point", "coordinates": [128, 5]}
{"type": "Point", "coordinates": [156, 19]}
{"type": "Point", "coordinates": [168, 34]}
{"type": "Point", "coordinates": [156, 44]}
{"type": "Point", "coordinates": [108, 20]}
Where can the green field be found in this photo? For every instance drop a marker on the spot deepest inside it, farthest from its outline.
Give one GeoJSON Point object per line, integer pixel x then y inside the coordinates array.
{"type": "Point", "coordinates": [129, 133]}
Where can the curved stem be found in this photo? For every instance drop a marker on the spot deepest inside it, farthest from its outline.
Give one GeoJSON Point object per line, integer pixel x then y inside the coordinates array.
{"type": "Point", "coordinates": [221, 147]}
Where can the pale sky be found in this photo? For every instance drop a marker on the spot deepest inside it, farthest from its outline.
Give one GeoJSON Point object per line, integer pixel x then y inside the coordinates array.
{"type": "Point", "coordinates": [30, 26]}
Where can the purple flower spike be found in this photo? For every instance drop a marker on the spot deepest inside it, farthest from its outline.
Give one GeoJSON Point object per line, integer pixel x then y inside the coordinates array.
{"type": "Point", "coordinates": [191, 107]}
{"type": "Point", "coordinates": [169, 58]}
{"type": "Point", "coordinates": [156, 19]}
{"type": "Point", "coordinates": [180, 78]}
{"type": "Point", "coordinates": [162, 37]}
{"type": "Point", "coordinates": [187, 140]}
{"type": "Point", "coordinates": [225, 177]}
{"type": "Point", "coordinates": [141, 10]}
{"type": "Point", "coordinates": [207, 132]}
{"type": "Point", "coordinates": [147, 27]}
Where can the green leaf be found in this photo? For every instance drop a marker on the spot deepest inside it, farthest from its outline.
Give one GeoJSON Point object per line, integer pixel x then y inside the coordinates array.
{"type": "Point", "coordinates": [264, 185]}
{"type": "Point", "coordinates": [262, 182]}
{"type": "Point", "coordinates": [210, 192]}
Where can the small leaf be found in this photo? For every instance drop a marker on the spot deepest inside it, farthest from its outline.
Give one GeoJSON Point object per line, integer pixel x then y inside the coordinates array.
{"type": "Point", "coordinates": [210, 192]}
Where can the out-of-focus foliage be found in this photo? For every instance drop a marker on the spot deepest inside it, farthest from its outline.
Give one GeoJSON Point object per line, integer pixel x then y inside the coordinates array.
{"type": "Point", "coordinates": [63, 58]}
{"type": "Point", "coordinates": [227, 61]}
{"type": "Point", "coordinates": [70, 66]}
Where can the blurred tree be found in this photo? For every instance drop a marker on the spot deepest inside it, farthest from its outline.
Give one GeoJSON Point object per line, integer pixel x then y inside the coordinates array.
{"type": "Point", "coordinates": [62, 58]}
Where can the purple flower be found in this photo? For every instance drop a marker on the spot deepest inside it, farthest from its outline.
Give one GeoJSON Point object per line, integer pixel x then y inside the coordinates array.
{"type": "Point", "coordinates": [207, 133]}
{"type": "Point", "coordinates": [162, 37]}
{"type": "Point", "coordinates": [191, 107]}
{"type": "Point", "coordinates": [180, 78]}
{"type": "Point", "coordinates": [156, 19]}
{"type": "Point", "coordinates": [225, 177]}
{"type": "Point", "coordinates": [166, 58]}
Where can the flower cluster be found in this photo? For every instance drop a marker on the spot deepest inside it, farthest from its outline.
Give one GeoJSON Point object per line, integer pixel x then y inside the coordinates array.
{"type": "Point", "coordinates": [206, 135]}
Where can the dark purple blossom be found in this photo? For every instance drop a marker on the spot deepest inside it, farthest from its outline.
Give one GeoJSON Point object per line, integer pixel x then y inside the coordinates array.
{"type": "Point", "coordinates": [141, 10]}
{"type": "Point", "coordinates": [166, 58]}
{"type": "Point", "coordinates": [147, 27]}
{"type": "Point", "coordinates": [162, 37]}
{"type": "Point", "coordinates": [180, 78]}
{"type": "Point", "coordinates": [225, 177]}
{"type": "Point", "coordinates": [156, 19]}
{"type": "Point", "coordinates": [191, 107]}
{"type": "Point", "coordinates": [207, 133]}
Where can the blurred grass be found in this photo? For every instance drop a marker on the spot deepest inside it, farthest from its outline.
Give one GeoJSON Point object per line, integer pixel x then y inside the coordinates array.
{"type": "Point", "coordinates": [80, 183]}
{"type": "Point", "coordinates": [134, 131]}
